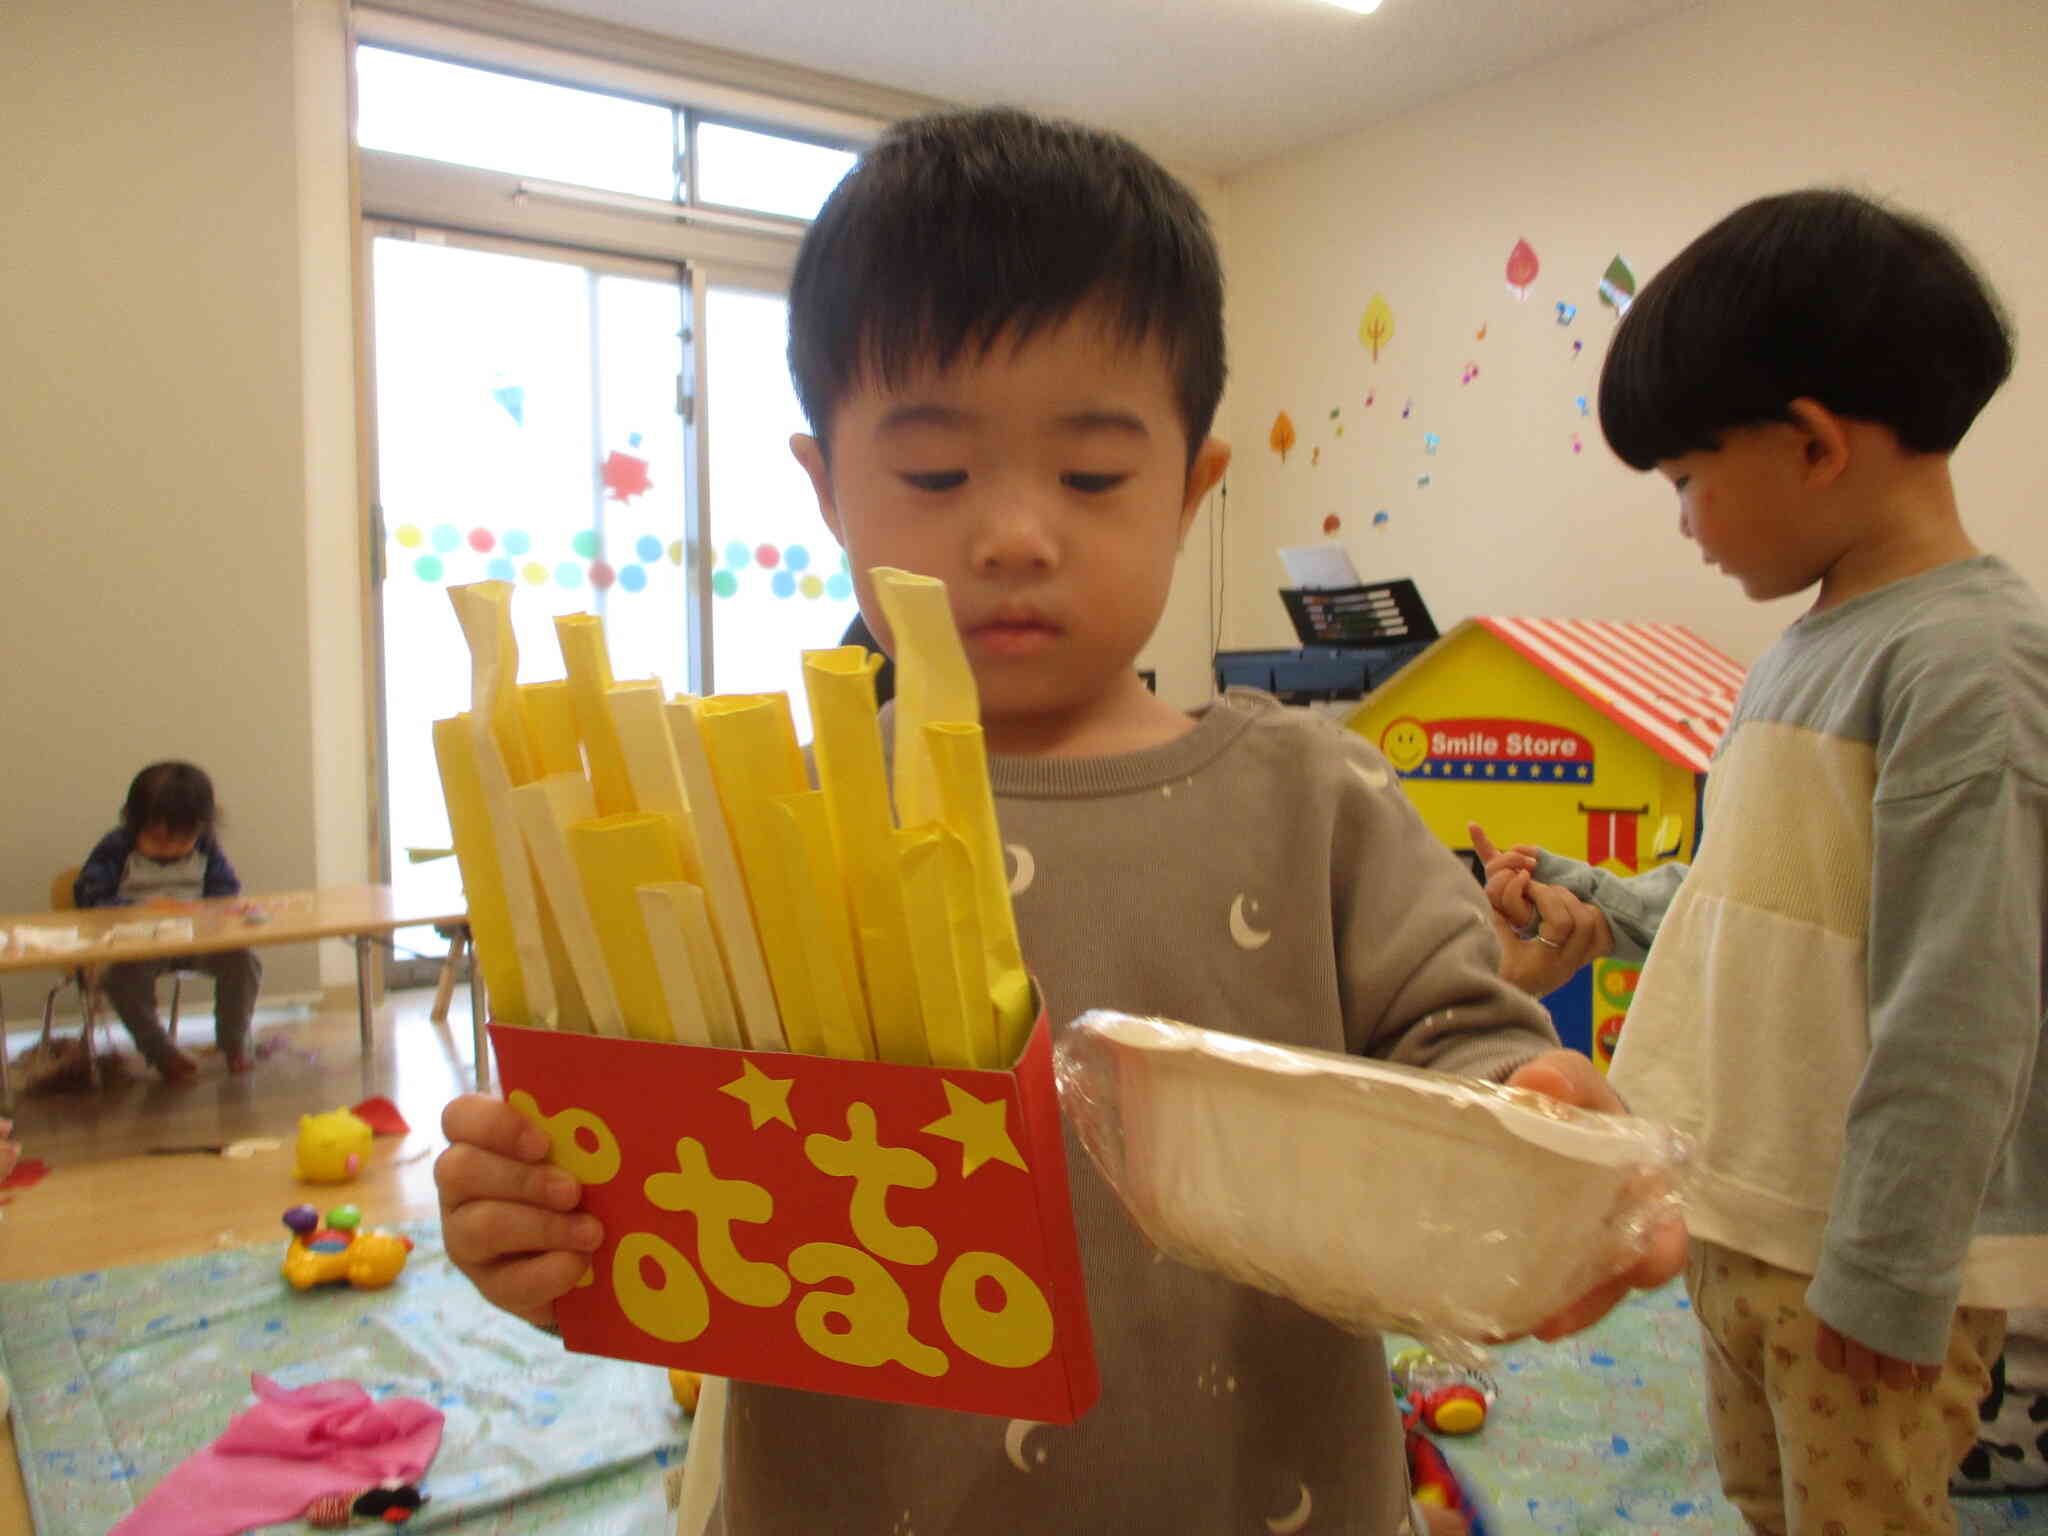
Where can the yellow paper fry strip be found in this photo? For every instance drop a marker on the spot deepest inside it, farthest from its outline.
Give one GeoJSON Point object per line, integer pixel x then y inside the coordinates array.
{"type": "Point", "coordinates": [855, 779]}
{"type": "Point", "coordinates": [956, 1007]}
{"type": "Point", "coordinates": [933, 683]}
{"type": "Point", "coordinates": [615, 856]}
{"type": "Point", "coordinates": [551, 724]}
{"type": "Point", "coordinates": [818, 901]}
{"type": "Point", "coordinates": [960, 764]}
{"type": "Point", "coordinates": [476, 852]}
{"type": "Point", "coordinates": [660, 906]}
{"type": "Point", "coordinates": [755, 761]}
{"type": "Point", "coordinates": [589, 666]}
{"type": "Point", "coordinates": [725, 888]}
{"type": "Point", "coordinates": [484, 609]}
{"type": "Point", "coordinates": [641, 725]}
{"type": "Point", "coordinates": [515, 871]}
{"type": "Point", "coordinates": [547, 808]}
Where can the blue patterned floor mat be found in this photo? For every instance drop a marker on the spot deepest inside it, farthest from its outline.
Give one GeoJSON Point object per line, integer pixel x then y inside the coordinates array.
{"type": "Point", "coordinates": [120, 1374]}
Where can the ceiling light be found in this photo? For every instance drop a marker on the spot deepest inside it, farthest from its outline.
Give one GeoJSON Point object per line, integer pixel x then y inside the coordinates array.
{"type": "Point", "coordinates": [1363, 7]}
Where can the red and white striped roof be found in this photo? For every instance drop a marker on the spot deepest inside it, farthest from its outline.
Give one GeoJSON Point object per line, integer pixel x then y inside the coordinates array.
{"type": "Point", "coordinates": [1660, 682]}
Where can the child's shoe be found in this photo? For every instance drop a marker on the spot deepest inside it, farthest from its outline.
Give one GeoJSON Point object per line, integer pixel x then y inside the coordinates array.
{"type": "Point", "coordinates": [177, 1068]}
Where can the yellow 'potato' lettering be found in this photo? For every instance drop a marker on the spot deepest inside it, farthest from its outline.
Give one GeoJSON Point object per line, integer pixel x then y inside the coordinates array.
{"type": "Point", "coordinates": [675, 1311]}
{"type": "Point", "coordinates": [718, 1203]}
{"type": "Point", "coordinates": [875, 1170]}
{"type": "Point", "coordinates": [565, 1130]}
{"type": "Point", "coordinates": [1014, 1335]}
{"type": "Point", "coordinates": [873, 1310]}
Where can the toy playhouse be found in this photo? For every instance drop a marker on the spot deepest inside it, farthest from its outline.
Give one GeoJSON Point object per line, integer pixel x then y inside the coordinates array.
{"type": "Point", "coordinates": [1590, 738]}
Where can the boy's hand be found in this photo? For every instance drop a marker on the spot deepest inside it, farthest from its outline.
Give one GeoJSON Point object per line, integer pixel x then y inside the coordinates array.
{"type": "Point", "coordinates": [508, 1219]}
{"type": "Point", "coordinates": [1568, 933]}
{"type": "Point", "coordinates": [1507, 875]}
{"type": "Point", "coordinates": [1865, 1366]}
{"type": "Point", "coordinates": [1572, 1079]}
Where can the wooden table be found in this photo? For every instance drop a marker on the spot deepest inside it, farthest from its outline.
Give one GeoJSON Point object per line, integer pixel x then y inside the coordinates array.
{"type": "Point", "coordinates": [361, 914]}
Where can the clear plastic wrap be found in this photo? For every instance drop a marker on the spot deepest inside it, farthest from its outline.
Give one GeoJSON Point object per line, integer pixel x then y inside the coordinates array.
{"type": "Point", "coordinates": [1377, 1196]}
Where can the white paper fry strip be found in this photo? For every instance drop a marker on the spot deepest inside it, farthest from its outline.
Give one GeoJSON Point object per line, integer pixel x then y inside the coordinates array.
{"type": "Point", "coordinates": [724, 889]}
{"type": "Point", "coordinates": [674, 962]}
{"type": "Point", "coordinates": [546, 809]}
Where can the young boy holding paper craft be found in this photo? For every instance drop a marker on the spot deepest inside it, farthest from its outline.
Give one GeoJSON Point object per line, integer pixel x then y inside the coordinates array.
{"type": "Point", "coordinates": [1007, 336]}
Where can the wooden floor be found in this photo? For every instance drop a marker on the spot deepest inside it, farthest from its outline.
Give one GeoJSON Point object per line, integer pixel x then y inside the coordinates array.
{"type": "Point", "coordinates": [109, 1200]}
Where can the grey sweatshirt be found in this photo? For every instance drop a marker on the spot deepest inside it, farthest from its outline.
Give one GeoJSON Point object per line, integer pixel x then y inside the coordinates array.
{"type": "Point", "coordinates": [1264, 875]}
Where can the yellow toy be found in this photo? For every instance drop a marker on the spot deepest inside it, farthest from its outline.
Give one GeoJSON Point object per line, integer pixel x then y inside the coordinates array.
{"type": "Point", "coordinates": [1590, 738]}
{"type": "Point", "coordinates": [333, 1148]}
{"type": "Point", "coordinates": [687, 1387]}
{"type": "Point", "coordinates": [339, 1252]}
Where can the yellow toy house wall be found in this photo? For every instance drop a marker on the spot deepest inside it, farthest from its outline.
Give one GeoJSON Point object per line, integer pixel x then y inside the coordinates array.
{"type": "Point", "coordinates": [1478, 733]}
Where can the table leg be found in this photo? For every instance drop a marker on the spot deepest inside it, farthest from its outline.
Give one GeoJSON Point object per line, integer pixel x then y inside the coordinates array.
{"type": "Point", "coordinates": [479, 1012]}
{"type": "Point", "coordinates": [6, 1082]}
{"type": "Point", "coordinates": [362, 943]}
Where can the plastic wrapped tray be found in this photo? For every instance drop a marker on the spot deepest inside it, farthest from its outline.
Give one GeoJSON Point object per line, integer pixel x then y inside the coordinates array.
{"type": "Point", "coordinates": [1380, 1197]}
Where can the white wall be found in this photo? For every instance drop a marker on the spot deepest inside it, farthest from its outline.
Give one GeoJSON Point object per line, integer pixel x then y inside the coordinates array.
{"type": "Point", "coordinates": [1632, 146]}
{"type": "Point", "coordinates": [154, 427]}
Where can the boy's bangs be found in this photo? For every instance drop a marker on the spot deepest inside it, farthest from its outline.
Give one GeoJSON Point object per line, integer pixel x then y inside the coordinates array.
{"type": "Point", "coordinates": [960, 233]}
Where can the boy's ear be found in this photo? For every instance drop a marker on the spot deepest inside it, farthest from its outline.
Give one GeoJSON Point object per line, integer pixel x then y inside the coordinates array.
{"type": "Point", "coordinates": [1211, 460]}
{"type": "Point", "coordinates": [1824, 440]}
{"type": "Point", "coordinates": [811, 454]}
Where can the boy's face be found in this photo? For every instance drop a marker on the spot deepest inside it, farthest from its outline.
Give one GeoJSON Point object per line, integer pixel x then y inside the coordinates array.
{"type": "Point", "coordinates": [1048, 486]}
{"type": "Point", "coordinates": [1748, 506]}
{"type": "Point", "coordinates": [165, 843]}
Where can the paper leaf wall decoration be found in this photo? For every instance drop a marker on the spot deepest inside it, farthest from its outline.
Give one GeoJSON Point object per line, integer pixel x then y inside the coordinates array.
{"type": "Point", "coordinates": [1618, 286]}
{"type": "Point", "coordinates": [1281, 438]}
{"type": "Point", "coordinates": [1522, 268]}
{"type": "Point", "coordinates": [1377, 328]}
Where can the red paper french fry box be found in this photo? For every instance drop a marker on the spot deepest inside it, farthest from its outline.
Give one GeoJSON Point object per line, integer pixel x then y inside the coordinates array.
{"type": "Point", "coordinates": [862, 1228]}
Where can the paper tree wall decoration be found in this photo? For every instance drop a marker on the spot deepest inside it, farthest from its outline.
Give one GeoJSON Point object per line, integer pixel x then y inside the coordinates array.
{"type": "Point", "coordinates": [1522, 268]}
{"type": "Point", "coordinates": [1281, 438]}
{"type": "Point", "coordinates": [1377, 328]}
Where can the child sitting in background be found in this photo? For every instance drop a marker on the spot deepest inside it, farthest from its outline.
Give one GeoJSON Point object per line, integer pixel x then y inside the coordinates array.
{"type": "Point", "coordinates": [1843, 998]}
{"type": "Point", "coordinates": [165, 851]}
{"type": "Point", "coordinates": [1008, 338]}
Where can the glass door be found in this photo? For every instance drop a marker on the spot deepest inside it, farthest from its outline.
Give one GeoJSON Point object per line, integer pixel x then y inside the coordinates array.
{"type": "Point", "coordinates": [530, 427]}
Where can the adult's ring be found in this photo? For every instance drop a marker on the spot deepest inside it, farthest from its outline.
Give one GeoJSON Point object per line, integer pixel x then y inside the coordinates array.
{"type": "Point", "coordinates": [1546, 943]}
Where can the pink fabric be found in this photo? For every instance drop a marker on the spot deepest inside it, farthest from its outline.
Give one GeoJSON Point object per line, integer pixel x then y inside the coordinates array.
{"type": "Point", "coordinates": [279, 1456]}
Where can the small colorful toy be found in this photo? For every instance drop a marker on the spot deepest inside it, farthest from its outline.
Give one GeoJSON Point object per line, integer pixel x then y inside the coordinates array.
{"type": "Point", "coordinates": [333, 1148]}
{"type": "Point", "coordinates": [1437, 1485]}
{"type": "Point", "coordinates": [394, 1504]}
{"type": "Point", "coordinates": [687, 1387]}
{"type": "Point", "coordinates": [1438, 1396]}
{"type": "Point", "coordinates": [337, 1251]}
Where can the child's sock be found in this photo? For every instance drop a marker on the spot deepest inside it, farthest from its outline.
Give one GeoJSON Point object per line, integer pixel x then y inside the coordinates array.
{"type": "Point", "coordinates": [240, 1062]}
{"type": "Point", "coordinates": [178, 1068]}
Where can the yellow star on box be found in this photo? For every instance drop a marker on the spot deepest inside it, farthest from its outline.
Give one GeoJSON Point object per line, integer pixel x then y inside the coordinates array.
{"type": "Point", "coordinates": [766, 1098]}
{"type": "Point", "coordinates": [979, 1128]}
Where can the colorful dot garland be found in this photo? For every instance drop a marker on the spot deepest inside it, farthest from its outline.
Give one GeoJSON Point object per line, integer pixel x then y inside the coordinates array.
{"type": "Point", "coordinates": [788, 567]}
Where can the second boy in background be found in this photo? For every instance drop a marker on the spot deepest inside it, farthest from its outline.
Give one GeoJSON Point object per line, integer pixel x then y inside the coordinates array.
{"type": "Point", "coordinates": [1007, 337]}
{"type": "Point", "coordinates": [1844, 1000]}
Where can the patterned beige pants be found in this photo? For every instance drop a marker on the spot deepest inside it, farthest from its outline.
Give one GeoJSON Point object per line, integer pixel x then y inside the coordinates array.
{"type": "Point", "coordinates": [1804, 1451]}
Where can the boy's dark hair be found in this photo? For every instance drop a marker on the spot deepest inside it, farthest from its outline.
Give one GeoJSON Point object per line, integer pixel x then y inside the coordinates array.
{"type": "Point", "coordinates": [961, 226]}
{"type": "Point", "coordinates": [175, 796]}
{"type": "Point", "coordinates": [1820, 294]}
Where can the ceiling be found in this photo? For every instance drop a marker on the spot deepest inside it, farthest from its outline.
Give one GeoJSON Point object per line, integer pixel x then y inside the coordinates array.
{"type": "Point", "coordinates": [1213, 86]}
